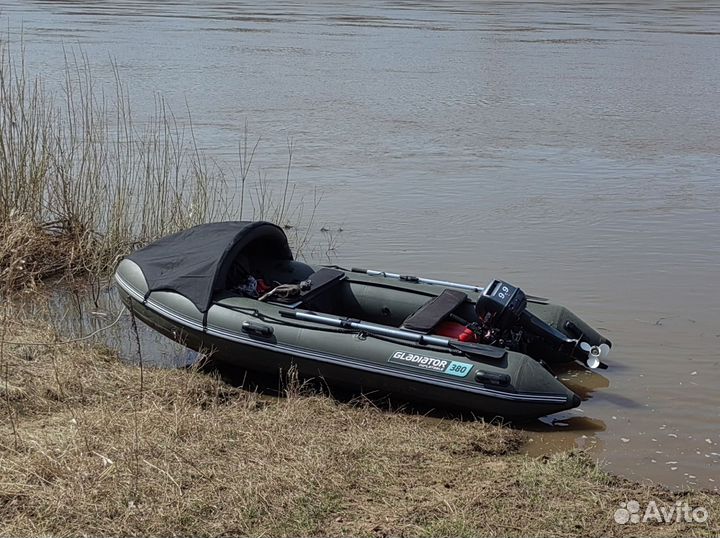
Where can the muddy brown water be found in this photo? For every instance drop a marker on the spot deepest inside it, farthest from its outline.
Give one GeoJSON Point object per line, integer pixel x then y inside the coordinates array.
{"type": "Point", "coordinates": [570, 148]}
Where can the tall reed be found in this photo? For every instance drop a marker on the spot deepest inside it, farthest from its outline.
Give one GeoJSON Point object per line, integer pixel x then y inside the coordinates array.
{"type": "Point", "coordinates": [86, 184]}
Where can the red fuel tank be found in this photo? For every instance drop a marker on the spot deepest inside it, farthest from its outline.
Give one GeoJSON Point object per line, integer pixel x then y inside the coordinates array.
{"type": "Point", "coordinates": [457, 331]}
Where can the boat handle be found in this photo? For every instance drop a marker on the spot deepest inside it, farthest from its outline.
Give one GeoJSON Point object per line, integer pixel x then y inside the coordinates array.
{"type": "Point", "coordinates": [257, 329]}
{"type": "Point", "coordinates": [491, 378]}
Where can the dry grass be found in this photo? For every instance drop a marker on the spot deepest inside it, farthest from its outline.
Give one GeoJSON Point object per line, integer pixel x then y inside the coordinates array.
{"type": "Point", "coordinates": [90, 184]}
{"type": "Point", "coordinates": [92, 446]}
{"type": "Point", "coordinates": [76, 169]}
{"type": "Point", "coordinates": [30, 253]}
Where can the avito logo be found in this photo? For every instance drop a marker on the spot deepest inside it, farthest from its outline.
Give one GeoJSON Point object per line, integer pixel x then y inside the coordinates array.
{"type": "Point", "coordinates": [630, 512]}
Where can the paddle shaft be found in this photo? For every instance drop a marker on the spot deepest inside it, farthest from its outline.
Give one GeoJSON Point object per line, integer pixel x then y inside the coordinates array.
{"type": "Point", "coordinates": [383, 330]}
{"type": "Point", "coordinates": [373, 328]}
{"type": "Point", "coordinates": [432, 281]}
{"type": "Point", "coordinates": [409, 278]}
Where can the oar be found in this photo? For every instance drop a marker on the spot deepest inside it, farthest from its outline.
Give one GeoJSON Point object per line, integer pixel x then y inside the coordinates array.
{"type": "Point", "coordinates": [431, 281]}
{"type": "Point", "coordinates": [475, 350]}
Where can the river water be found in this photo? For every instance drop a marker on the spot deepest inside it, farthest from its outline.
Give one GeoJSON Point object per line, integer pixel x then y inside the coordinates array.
{"type": "Point", "coordinates": [568, 147]}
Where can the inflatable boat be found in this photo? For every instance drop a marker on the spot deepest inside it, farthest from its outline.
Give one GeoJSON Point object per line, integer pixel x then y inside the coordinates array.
{"type": "Point", "coordinates": [233, 290]}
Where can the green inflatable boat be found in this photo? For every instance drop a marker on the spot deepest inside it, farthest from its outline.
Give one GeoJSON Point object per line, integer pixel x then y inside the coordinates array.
{"type": "Point", "coordinates": [233, 289]}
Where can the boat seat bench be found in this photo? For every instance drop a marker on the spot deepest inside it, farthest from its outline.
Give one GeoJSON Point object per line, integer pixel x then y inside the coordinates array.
{"type": "Point", "coordinates": [320, 281]}
{"type": "Point", "coordinates": [425, 318]}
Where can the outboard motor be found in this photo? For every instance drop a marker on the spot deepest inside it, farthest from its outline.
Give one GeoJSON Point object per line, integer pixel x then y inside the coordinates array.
{"type": "Point", "coordinates": [501, 311]}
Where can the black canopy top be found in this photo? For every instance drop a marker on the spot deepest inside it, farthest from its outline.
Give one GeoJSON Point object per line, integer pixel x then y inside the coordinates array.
{"type": "Point", "coordinates": [196, 262]}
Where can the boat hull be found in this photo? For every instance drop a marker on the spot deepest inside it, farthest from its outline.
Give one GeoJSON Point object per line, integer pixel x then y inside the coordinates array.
{"type": "Point", "coordinates": [348, 359]}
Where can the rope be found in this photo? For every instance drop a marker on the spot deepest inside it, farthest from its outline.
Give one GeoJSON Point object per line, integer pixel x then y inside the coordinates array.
{"type": "Point", "coordinates": [72, 340]}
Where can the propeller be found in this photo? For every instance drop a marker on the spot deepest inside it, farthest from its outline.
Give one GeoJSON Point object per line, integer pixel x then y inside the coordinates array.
{"type": "Point", "coordinates": [595, 354]}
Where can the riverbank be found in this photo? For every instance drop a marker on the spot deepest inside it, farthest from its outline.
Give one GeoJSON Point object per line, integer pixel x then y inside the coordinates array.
{"type": "Point", "coordinates": [91, 445]}
{"type": "Point", "coordinates": [94, 446]}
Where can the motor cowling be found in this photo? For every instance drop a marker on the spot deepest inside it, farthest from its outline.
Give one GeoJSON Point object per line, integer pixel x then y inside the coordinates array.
{"type": "Point", "coordinates": [504, 302]}
{"type": "Point", "coordinates": [502, 308]}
